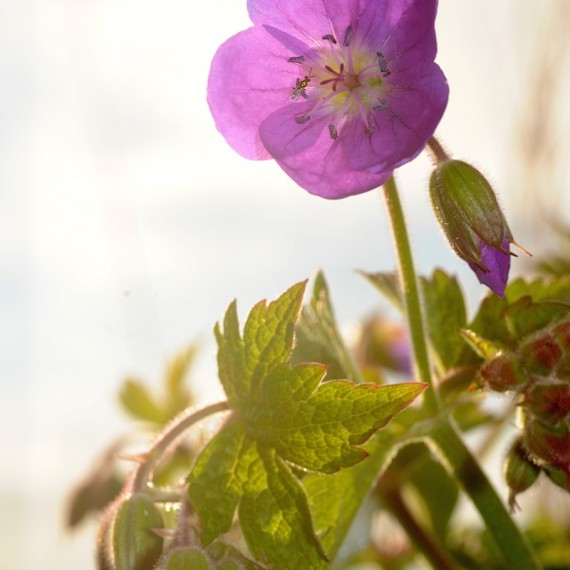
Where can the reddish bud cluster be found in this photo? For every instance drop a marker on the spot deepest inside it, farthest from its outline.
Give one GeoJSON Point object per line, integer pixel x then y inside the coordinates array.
{"type": "Point", "coordinates": [538, 371]}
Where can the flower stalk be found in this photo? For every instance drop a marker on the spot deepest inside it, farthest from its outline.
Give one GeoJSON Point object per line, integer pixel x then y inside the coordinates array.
{"type": "Point", "coordinates": [442, 436]}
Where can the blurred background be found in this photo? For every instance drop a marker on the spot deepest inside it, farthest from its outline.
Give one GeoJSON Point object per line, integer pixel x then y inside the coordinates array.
{"type": "Point", "coordinates": [127, 225]}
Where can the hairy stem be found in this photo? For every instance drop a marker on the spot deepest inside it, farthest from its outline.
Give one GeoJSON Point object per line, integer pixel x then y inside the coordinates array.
{"type": "Point", "coordinates": [409, 285]}
{"type": "Point", "coordinates": [447, 444]}
{"type": "Point", "coordinates": [170, 434]}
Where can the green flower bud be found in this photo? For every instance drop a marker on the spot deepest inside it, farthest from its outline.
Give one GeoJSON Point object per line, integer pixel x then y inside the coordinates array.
{"type": "Point", "coordinates": [560, 477]}
{"type": "Point", "coordinates": [469, 214]}
{"type": "Point", "coordinates": [503, 373]}
{"type": "Point", "coordinates": [134, 544]}
{"type": "Point", "coordinates": [520, 472]}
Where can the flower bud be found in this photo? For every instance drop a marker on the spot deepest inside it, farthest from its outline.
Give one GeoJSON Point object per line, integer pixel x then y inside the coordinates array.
{"type": "Point", "coordinates": [561, 334]}
{"type": "Point", "coordinates": [540, 355]}
{"type": "Point", "coordinates": [503, 373]}
{"type": "Point", "coordinates": [560, 477]}
{"type": "Point", "coordinates": [134, 544]}
{"type": "Point", "coordinates": [469, 214]}
{"type": "Point", "coordinates": [549, 401]}
{"type": "Point", "coordinates": [549, 443]}
{"type": "Point", "coordinates": [520, 472]}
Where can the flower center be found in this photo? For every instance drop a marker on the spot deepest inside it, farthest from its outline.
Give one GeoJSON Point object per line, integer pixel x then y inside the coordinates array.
{"type": "Point", "coordinates": [344, 80]}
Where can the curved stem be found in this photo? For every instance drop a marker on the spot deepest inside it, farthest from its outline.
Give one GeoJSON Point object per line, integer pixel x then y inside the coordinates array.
{"type": "Point", "coordinates": [171, 433]}
{"type": "Point", "coordinates": [452, 451]}
{"type": "Point", "coordinates": [409, 284]}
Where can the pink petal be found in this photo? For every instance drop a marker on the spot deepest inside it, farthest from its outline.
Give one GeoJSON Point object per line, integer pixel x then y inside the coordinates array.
{"type": "Point", "coordinates": [249, 78]}
{"type": "Point", "coordinates": [312, 158]}
{"type": "Point", "coordinates": [415, 104]}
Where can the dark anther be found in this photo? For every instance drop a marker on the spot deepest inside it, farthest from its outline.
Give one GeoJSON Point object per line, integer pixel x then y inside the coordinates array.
{"type": "Point", "coordinates": [381, 106]}
{"type": "Point", "coordinates": [297, 59]}
{"type": "Point", "coordinates": [347, 36]}
{"type": "Point", "coordinates": [302, 119]}
{"type": "Point", "coordinates": [330, 38]}
{"type": "Point", "coordinates": [383, 64]}
{"type": "Point", "coordinates": [333, 132]}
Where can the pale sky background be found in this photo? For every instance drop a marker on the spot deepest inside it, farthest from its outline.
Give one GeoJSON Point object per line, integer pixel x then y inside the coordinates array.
{"type": "Point", "coordinates": [127, 224]}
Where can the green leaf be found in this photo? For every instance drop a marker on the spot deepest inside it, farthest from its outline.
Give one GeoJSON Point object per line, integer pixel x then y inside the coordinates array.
{"type": "Point", "coordinates": [137, 401]}
{"type": "Point", "coordinates": [218, 477]}
{"type": "Point", "coordinates": [267, 342]}
{"type": "Point", "coordinates": [318, 338]}
{"type": "Point", "coordinates": [177, 395]}
{"type": "Point", "coordinates": [275, 519]}
{"type": "Point", "coordinates": [135, 545]}
{"type": "Point", "coordinates": [319, 426]}
{"type": "Point", "coordinates": [539, 289]}
{"type": "Point", "coordinates": [524, 317]}
{"type": "Point", "coordinates": [335, 499]}
{"type": "Point", "coordinates": [484, 348]}
{"type": "Point", "coordinates": [444, 308]}
{"type": "Point", "coordinates": [389, 285]}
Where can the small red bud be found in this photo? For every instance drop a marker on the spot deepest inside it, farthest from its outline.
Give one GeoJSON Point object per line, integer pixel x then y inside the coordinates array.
{"type": "Point", "coordinates": [541, 355]}
{"type": "Point", "coordinates": [550, 401]}
{"type": "Point", "coordinates": [561, 334]}
{"type": "Point", "coordinates": [502, 373]}
{"type": "Point", "coordinates": [549, 443]}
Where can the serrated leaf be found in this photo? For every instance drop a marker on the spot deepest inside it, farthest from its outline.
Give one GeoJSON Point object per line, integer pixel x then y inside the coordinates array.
{"type": "Point", "coordinates": [389, 285]}
{"type": "Point", "coordinates": [539, 289]}
{"type": "Point", "coordinates": [267, 342]}
{"type": "Point", "coordinates": [444, 309]}
{"type": "Point", "coordinates": [275, 519]}
{"type": "Point", "coordinates": [218, 477]}
{"type": "Point", "coordinates": [318, 338]}
{"type": "Point", "coordinates": [335, 499]}
{"type": "Point", "coordinates": [319, 426]}
{"type": "Point", "coordinates": [135, 545]}
{"type": "Point", "coordinates": [137, 401]}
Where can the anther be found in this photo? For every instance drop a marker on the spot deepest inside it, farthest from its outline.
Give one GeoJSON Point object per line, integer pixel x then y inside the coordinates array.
{"type": "Point", "coordinates": [383, 64]}
{"type": "Point", "coordinates": [302, 119]}
{"type": "Point", "coordinates": [297, 59]}
{"type": "Point", "coordinates": [347, 36]}
{"type": "Point", "coordinates": [330, 38]}
{"type": "Point", "coordinates": [333, 132]}
{"type": "Point", "coordinates": [381, 106]}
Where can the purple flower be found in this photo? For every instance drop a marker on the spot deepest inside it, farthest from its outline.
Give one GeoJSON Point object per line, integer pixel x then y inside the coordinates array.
{"type": "Point", "coordinates": [493, 269]}
{"type": "Point", "coordinates": [338, 92]}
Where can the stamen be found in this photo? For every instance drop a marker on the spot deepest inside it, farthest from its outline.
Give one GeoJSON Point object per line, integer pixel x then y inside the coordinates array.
{"type": "Point", "coordinates": [330, 38]}
{"type": "Point", "coordinates": [383, 64]}
{"type": "Point", "coordinates": [333, 132]}
{"type": "Point", "coordinates": [347, 36]}
{"type": "Point", "coordinates": [296, 59]}
{"type": "Point", "coordinates": [302, 119]}
{"type": "Point", "coordinates": [380, 107]}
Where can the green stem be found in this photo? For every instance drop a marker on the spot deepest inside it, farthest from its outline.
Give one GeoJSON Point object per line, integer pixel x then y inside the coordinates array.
{"type": "Point", "coordinates": [512, 544]}
{"type": "Point", "coordinates": [443, 435]}
{"type": "Point", "coordinates": [171, 433]}
{"type": "Point", "coordinates": [409, 284]}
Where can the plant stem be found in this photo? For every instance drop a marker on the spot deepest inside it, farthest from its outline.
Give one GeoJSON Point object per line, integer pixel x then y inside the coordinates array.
{"type": "Point", "coordinates": [423, 541]}
{"type": "Point", "coordinates": [452, 451]}
{"type": "Point", "coordinates": [170, 434]}
{"type": "Point", "coordinates": [442, 435]}
{"type": "Point", "coordinates": [409, 284]}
